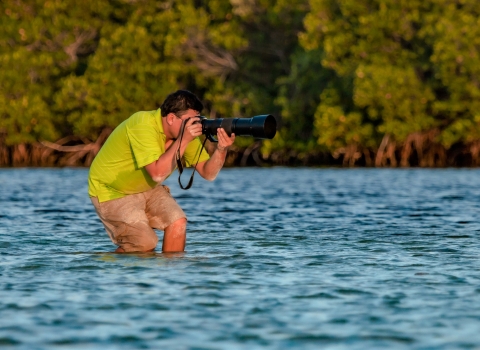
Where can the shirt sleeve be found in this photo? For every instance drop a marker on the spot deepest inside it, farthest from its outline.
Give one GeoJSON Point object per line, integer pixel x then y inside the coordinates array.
{"type": "Point", "coordinates": [192, 154]}
{"type": "Point", "coordinates": [145, 144]}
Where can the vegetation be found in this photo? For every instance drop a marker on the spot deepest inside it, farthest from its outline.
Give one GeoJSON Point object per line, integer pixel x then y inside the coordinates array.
{"type": "Point", "coordinates": [353, 82]}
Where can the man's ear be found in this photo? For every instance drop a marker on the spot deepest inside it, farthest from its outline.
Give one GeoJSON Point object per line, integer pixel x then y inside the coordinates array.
{"type": "Point", "coordinates": [170, 118]}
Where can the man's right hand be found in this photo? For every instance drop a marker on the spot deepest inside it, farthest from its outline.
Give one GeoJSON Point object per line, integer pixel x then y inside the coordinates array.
{"type": "Point", "coordinates": [193, 129]}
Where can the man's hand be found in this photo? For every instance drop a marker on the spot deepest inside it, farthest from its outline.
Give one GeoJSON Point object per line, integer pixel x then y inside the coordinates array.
{"type": "Point", "coordinates": [210, 168]}
{"type": "Point", "coordinates": [223, 140]}
{"type": "Point", "coordinates": [193, 128]}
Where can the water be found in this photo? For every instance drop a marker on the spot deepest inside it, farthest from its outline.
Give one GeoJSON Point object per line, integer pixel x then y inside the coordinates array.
{"type": "Point", "coordinates": [276, 258]}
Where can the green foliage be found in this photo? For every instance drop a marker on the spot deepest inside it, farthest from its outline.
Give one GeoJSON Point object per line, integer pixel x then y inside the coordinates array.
{"type": "Point", "coordinates": [396, 97]}
{"type": "Point", "coordinates": [335, 73]}
{"type": "Point", "coordinates": [298, 98]}
{"type": "Point", "coordinates": [414, 66]}
{"type": "Point", "coordinates": [336, 127]}
{"type": "Point", "coordinates": [41, 42]}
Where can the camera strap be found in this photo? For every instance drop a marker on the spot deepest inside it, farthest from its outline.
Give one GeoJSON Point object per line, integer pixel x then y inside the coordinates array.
{"type": "Point", "coordinates": [178, 158]}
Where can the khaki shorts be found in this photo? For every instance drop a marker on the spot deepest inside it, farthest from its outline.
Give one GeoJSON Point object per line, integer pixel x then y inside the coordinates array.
{"type": "Point", "coordinates": [130, 220]}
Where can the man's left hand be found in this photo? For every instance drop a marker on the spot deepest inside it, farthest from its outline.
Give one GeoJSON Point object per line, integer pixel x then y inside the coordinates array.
{"type": "Point", "coordinates": [224, 141]}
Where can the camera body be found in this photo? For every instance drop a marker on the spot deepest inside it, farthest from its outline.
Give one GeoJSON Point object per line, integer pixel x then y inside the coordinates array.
{"type": "Point", "coordinates": [260, 126]}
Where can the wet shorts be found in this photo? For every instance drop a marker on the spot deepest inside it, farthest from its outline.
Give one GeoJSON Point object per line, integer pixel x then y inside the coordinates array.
{"type": "Point", "coordinates": [130, 220]}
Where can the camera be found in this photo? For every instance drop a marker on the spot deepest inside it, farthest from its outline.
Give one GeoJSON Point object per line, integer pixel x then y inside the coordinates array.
{"type": "Point", "coordinates": [260, 126]}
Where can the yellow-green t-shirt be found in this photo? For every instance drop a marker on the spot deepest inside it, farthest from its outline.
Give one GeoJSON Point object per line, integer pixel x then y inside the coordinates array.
{"type": "Point", "coordinates": [118, 169]}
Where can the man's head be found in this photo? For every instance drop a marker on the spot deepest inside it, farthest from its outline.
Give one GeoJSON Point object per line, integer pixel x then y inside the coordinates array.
{"type": "Point", "coordinates": [179, 102]}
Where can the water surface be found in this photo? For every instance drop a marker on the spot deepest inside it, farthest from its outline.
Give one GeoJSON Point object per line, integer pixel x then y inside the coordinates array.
{"type": "Point", "coordinates": [276, 258]}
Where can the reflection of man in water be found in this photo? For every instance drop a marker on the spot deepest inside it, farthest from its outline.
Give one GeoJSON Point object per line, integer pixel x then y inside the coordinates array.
{"type": "Point", "coordinates": [125, 177]}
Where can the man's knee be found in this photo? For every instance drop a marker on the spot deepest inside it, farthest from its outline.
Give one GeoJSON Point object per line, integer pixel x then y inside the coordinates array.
{"type": "Point", "coordinates": [180, 222]}
{"type": "Point", "coordinates": [179, 226]}
{"type": "Point", "coordinates": [146, 244]}
{"type": "Point", "coordinates": [149, 243]}
{"type": "Point", "coordinates": [138, 238]}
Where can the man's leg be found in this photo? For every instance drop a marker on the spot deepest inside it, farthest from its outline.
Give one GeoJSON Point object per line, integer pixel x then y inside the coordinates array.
{"type": "Point", "coordinates": [165, 214]}
{"type": "Point", "coordinates": [127, 224]}
{"type": "Point", "coordinates": [175, 236]}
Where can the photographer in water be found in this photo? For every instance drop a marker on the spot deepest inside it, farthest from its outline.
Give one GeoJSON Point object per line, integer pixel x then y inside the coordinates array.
{"type": "Point", "coordinates": [126, 176]}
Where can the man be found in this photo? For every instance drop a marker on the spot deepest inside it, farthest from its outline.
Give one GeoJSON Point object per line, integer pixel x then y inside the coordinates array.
{"type": "Point", "coordinates": [126, 176]}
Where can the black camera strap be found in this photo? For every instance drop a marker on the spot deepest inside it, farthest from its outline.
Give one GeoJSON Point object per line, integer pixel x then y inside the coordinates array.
{"type": "Point", "coordinates": [178, 158]}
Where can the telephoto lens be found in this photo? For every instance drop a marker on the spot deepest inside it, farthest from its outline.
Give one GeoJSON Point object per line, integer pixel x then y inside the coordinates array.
{"type": "Point", "coordinates": [260, 126]}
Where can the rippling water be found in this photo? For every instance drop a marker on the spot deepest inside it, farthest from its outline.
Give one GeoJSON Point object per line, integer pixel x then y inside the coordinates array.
{"type": "Point", "coordinates": [276, 258]}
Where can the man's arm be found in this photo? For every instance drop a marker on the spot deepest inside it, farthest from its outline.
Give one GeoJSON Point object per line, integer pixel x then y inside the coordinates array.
{"type": "Point", "coordinates": [210, 168]}
{"type": "Point", "coordinates": [160, 169]}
